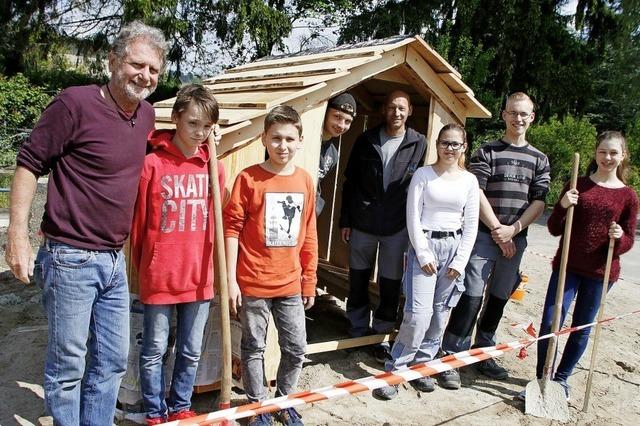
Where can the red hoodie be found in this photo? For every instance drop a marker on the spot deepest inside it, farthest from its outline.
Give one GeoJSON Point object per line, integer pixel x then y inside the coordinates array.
{"type": "Point", "coordinates": [171, 236]}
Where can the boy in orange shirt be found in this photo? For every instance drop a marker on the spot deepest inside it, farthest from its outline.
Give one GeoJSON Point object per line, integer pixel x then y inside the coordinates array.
{"type": "Point", "coordinates": [272, 257]}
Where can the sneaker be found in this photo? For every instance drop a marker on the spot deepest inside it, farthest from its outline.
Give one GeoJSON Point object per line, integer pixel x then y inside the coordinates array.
{"type": "Point", "coordinates": [260, 420]}
{"type": "Point", "coordinates": [290, 417]}
{"type": "Point", "coordinates": [181, 415]}
{"type": "Point", "coordinates": [450, 379]}
{"type": "Point", "coordinates": [492, 370]}
{"type": "Point", "coordinates": [150, 421]}
{"type": "Point", "coordinates": [386, 393]}
{"type": "Point", "coordinates": [381, 354]}
{"type": "Point", "coordinates": [423, 384]}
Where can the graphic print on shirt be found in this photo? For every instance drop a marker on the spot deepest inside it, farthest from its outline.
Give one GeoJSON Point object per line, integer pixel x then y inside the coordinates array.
{"type": "Point", "coordinates": [283, 212]}
{"type": "Point", "coordinates": [185, 202]}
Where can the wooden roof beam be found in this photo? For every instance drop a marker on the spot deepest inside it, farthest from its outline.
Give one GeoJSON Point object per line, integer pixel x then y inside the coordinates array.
{"type": "Point", "coordinates": [426, 74]}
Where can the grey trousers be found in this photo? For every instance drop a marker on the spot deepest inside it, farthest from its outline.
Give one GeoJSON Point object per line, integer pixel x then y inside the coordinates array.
{"type": "Point", "coordinates": [289, 319]}
{"type": "Point", "coordinates": [428, 300]}
{"type": "Point", "coordinates": [362, 258]}
{"type": "Point", "coordinates": [487, 269]}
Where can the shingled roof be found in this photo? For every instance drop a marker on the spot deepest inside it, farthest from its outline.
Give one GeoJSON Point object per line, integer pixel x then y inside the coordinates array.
{"type": "Point", "coordinates": [247, 92]}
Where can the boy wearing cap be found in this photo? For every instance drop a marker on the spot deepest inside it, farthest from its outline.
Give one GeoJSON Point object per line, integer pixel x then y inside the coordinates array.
{"type": "Point", "coordinates": [341, 110]}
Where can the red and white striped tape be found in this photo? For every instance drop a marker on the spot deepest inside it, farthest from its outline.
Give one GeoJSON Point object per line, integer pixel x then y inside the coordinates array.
{"type": "Point", "coordinates": [370, 383]}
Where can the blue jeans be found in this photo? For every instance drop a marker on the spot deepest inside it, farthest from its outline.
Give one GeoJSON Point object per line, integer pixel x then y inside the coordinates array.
{"type": "Point", "coordinates": [191, 320]}
{"type": "Point", "coordinates": [587, 292]}
{"type": "Point", "coordinates": [86, 299]}
{"type": "Point", "coordinates": [289, 319]}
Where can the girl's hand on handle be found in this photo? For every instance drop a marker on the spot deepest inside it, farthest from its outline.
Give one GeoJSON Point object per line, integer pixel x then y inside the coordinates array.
{"type": "Point", "coordinates": [569, 199]}
{"type": "Point", "coordinates": [453, 274]}
{"type": "Point", "coordinates": [615, 231]}
{"type": "Point", "coordinates": [429, 268]}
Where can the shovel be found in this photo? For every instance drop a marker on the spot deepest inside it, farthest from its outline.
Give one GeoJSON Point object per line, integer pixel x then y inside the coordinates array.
{"type": "Point", "coordinates": [221, 277]}
{"type": "Point", "coordinates": [544, 397]}
{"type": "Point", "coordinates": [594, 352]}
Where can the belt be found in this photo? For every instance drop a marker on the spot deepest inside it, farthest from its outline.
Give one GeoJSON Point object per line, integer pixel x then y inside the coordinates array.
{"type": "Point", "coordinates": [443, 234]}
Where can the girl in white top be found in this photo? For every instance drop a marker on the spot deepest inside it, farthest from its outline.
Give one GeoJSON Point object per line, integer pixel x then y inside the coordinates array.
{"type": "Point", "coordinates": [442, 219]}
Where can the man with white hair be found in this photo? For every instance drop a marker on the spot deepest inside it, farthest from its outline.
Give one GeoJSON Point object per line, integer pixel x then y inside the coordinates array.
{"type": "Point", "coordinates": [92, 142]}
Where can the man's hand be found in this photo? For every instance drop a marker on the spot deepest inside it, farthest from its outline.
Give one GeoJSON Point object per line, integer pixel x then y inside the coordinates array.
{"type": "Point", "coordinates": [503, 233]}
{"type": "Point", "coordinates": [235, 298]}
{"type": "Point", "coordinates": [508, 249]}
{"type": "Point", "coordinates": [429, 268]}
{"type": "Point", "coordinates": [308, 302]}
{"type": "Point", "coordinates": [345, 234]}
{"type": "Point", "coordinates": [19, 256]}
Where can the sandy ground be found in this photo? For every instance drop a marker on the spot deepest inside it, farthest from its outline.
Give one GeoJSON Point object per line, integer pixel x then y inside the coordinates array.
{"type": "Point", "coordinates": [615, 396]}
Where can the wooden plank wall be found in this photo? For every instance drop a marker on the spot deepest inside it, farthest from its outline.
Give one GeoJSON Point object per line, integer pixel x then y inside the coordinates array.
{"type": "Point", "coordinates": [439, 118]}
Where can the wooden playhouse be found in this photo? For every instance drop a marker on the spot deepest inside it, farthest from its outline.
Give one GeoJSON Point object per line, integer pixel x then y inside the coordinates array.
{"type": "Point", "coordinates": [306, 81]}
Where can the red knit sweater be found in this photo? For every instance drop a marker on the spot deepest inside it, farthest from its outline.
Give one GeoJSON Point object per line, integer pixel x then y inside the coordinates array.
{"type": "Point", "coordinates": [597, 207]}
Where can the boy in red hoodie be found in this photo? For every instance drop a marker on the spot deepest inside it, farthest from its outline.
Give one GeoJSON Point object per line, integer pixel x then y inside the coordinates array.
{"type": "Point", "coordinates": [272, 257]}
{"type": "Point", "coordinates": [171, 247]}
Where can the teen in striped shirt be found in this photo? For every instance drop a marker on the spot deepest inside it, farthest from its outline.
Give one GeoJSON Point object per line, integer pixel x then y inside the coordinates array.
{"type": "Point", "coordinates": [514, 181]}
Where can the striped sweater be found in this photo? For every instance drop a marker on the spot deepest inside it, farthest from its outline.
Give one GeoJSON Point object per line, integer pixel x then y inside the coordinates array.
{"type": "Point", "coordinates": [511, 178]}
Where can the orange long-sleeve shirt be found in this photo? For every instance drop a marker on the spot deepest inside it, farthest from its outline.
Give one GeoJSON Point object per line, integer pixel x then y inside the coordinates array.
{"type": "Point", "coordinates": [274, 220]}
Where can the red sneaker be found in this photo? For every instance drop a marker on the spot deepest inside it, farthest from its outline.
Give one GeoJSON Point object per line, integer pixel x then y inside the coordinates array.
{"type": "Point", "coordinates": [181, 415]}
{"type": "Point", "coordinates": [155, 420]}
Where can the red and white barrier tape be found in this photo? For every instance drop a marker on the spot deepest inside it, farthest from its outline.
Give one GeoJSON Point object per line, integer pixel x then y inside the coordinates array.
{"type": "Point", "coordinates": [370, 383]}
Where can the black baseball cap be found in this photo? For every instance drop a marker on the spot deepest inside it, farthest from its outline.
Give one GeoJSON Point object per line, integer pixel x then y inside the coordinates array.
{"type": "Point", "coordinates": [344, 102]}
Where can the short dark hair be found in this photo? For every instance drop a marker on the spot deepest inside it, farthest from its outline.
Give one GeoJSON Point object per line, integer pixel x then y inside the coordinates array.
{"type": "Point", "coordinates": [201, 96]}
{"type": "Point", "coordinates": [283, 114]}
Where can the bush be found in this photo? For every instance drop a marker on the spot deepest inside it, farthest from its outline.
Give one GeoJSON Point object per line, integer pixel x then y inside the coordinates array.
{"type": "Point", "coordinates": [21, 104]}
{"type": "Point", "coordinates": [559, 140]}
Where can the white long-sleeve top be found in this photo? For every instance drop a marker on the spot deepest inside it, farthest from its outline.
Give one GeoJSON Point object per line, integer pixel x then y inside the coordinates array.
{"type": "Point", "coordinates": [438, 203]}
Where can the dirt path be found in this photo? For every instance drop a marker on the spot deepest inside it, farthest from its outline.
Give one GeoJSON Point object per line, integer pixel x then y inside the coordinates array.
{"type": "Point", "coordinates": [615, 395]}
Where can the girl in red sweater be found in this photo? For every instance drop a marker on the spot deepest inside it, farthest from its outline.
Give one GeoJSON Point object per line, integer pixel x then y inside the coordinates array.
{"type": "Point", "coordinates": [605, 207]}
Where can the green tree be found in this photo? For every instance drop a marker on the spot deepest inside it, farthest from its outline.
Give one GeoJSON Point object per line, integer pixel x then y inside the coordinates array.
{"type": "Point", "coordinates": [20, 106]}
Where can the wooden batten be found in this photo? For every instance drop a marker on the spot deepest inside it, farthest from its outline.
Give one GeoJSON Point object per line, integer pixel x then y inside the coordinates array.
{"type": "Point", "coordinates": [474, 108]}
{"type": "Point", "coordinates": [301, 60]}
{"type": "Point", "coordinates": [392, 75]}
{"type": "Point", "coordinates": [305, 70]}
{"type": "Point", "coordinates": [439, 117]}
{"type": "Point", "coordinates": [308, 157]}
{"type": "Point", "coordinates": [282, 83]}
{"type": "Point", "coordinates": [286, 61]}
{"type": "Point", "coordinates": [426, 75]}
{"type": "Point", "coordinates": [455, 83]}
{"type": "Point", "coordinates": [433, 58]}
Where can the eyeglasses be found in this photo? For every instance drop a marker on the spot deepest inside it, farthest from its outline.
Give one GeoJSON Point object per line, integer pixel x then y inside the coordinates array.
{"type": "Point", "coordinates": [452, 145]}
{"type": "Point", "coordinates": [521, 114]}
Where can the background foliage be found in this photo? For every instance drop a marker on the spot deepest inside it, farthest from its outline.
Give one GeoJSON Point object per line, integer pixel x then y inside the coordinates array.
{"type": "Point", "coordinates": [579, 59]}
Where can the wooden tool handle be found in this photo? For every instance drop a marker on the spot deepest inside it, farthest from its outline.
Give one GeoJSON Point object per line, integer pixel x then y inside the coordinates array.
{"type": "Point", "coordinates": [220, 270]}
{"type": "Point", "coordinates": [603, 298]}
{"type": "Point", "coordinates": [566, 239]}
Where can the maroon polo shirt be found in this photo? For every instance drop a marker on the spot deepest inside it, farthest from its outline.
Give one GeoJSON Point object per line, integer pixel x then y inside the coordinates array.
{"type": "Point", "coordinates": [94, 154]}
